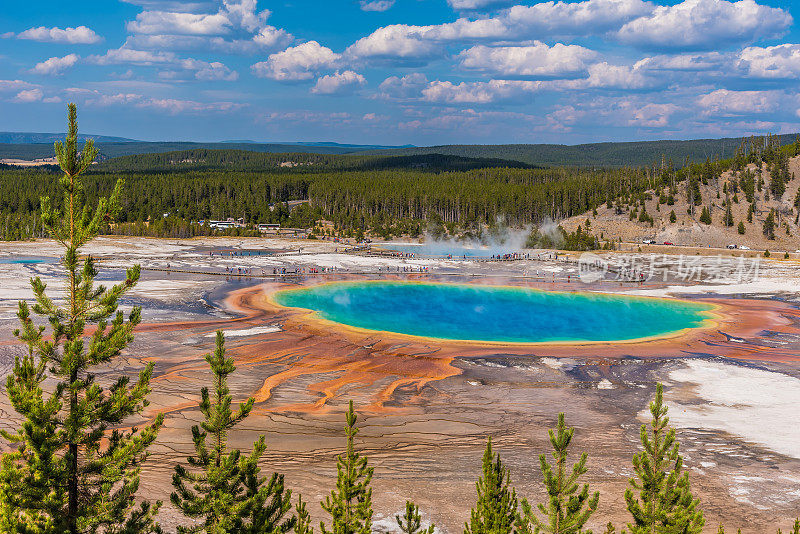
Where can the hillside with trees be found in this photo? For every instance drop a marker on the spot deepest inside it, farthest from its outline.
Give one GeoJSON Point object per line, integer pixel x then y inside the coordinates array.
{"type": "Point", "coordinates": [751, 200]}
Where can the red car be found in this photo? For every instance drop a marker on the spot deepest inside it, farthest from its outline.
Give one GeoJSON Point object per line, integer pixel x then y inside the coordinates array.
{"type": "Point", "coordinates": [668, 243]}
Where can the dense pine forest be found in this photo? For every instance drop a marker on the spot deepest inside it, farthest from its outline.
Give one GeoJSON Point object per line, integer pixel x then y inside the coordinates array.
{"type": "Point", "coordinates": [166, 194]}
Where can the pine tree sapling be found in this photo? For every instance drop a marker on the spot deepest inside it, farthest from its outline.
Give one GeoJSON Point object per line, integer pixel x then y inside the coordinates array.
{"type": "Point", "coordinates": [350, 504]}
{"type": "Point", "coordinates": [77, 463]}
{"type": "Point", "coordinates": [223, 488]}
{"type": "Point", "coordinates": [664, 503]}
{"type": "Point", "coordinates": [302, 523]}
{"type": "Point", "coordinates": [411, 522]}
{"type": "Point", "coordinates": [496, 508]}
{"type": "Point", "coordinates": [567, 509]}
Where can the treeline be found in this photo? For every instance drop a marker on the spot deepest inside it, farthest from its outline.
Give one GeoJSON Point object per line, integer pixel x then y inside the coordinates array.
{"type": "Point", "coordinates": [247, 160]}
{"type": "Point", "coordinates": [390, 202]}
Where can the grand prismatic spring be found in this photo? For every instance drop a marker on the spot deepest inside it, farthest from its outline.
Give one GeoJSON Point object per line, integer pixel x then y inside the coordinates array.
{"type": "Point", "coordinates": [494, 314]}
{"type": "Point", "coordinates": [438, 354]}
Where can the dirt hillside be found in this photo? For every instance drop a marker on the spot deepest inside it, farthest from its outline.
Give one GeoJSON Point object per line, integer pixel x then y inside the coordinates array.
{"type": "Point", "coordinates": [688, 231]}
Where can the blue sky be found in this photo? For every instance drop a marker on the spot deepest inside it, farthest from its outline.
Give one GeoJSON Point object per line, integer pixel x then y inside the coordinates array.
{"type": "Point", "coordinates": [417, 72]}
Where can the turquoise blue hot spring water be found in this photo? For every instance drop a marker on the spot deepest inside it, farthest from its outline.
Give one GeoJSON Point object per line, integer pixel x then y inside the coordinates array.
{"type": "Point", "coordinates": [498, 314]}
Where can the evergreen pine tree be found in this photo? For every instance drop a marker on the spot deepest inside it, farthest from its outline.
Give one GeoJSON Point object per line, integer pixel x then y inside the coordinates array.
{"type": "Point", "coordinates": [350, 504]}
{"type": "Point", "coordinates": [728, 219]}
{"type": "Point", "coordinates": [665, 504]}
{"type": "Point", "coordinates": [76, 466]}
{"type": "Point", "coordinates": [741, 228]}
{"type": "Point", "coordinates": [777, 185]}
{"type": "Point", "coordinates": [302, 523]}
{"type": "Point", "coordinates": [411, 522]}
{"type": "Point", "coordinates": [769, 225]}
{"type": "Point", "coordinates": [705, 216]}
{"type": "Point", "coordinates": [496, 509]}
{"type": "Point", "coordinates": [567, 510]}
{"type": "Point", "coordinates": [224, 489]}
{"type": "Point", "coordinates": [672, 216]}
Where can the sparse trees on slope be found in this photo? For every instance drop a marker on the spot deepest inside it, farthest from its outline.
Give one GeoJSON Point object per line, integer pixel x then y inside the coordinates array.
{"type": "Point", "coordinates": [411, 522]}
{"type": "Point", "coordinates": [350, 504]}
{"type": "Point", "coordinates": [664, 504]}
{"type": "Point", "coordinates": [224, 489]}
{"type": "Point", "coordinates": [75, 468]}
{"type": "Point", "coordinates": [496, 509]}
{"type": "Point", "coordinates": [568, 508]}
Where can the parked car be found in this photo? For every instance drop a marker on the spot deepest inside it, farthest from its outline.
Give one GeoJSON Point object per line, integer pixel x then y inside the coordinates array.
{"type": "Point", "coordinates": [744, 247]}
{"type": "Point", "coordinates": [733, 246]}
{"type": "Point", "coordinates": [649, 241]}
{"type": "Point", "coordinates": [668, 243]}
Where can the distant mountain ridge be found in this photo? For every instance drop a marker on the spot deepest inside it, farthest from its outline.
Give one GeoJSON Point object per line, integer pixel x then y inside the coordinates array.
{"type": "Point", "coordinates": [613, 154]}
{"type": "Point", "coordinates": [23, 138]}
{"type": "Point", "coordinates": [19, 138]}
{"type": "Point", "coordinates": [31, 145]}
{"type": "Point", "coordinates": [109, 150]}
{"type": "Point", "coordinates": [610, 154]}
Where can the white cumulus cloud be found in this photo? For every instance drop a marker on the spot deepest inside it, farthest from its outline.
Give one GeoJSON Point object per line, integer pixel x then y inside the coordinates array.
{"type": "Point", "coordinates": [478, 92]}
{"type": "Point", "coordinates": [518, 23]}
{"type": "Point", "coordinates": [236, 27]}
{"type": "Point", "coordinates": [29, 95]}
{"type": "Point", "coordinates": [408, 87]}
{"type": "Point", "coordinates": [338, 83]}
{"type": "Point", "coordinates": [536, 61]}
{"type": "Point", "coordinates": [394, 41]}
{"type": "Point", "coordinates": [724, 102]}
{"type": "Point", "coordinates": [297, 62]}
{"type": "Point", "coordinates": [708, 61]}
{"type": "Point", "coordinates": [201, 70]}
{"type": "Point", "coordinates": [172, 23]}
{"type": "Point", "coordinates": [55, 65]}
{"type": "Point", "coordinates": [79, 35]}
{"type": "Point", "coordinates": [471, 5]}
{"type": "Point", "coordinates": [123, 55]}
{"type": "Point", "coordinates": [15, 85]}
{"type": "Point", "coordinates": [376, 5]}
{"type": "Point", "coordinates": [705, 24]}
{"type": "Point", "coordinates": [214, 71]}
{"type": "Point", "coordinates": [772, 62]}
